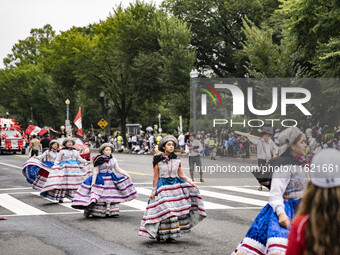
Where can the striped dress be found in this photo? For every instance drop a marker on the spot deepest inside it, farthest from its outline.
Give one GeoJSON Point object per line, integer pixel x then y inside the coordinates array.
{"type": "Point", "coordinates": [68, 172]}
{"type": "Point", "coordinates": [176, 207]}
{"type": "Point", "coordinates": [102, 198]}
{"type": "Point", "coordinates": [36, 170]}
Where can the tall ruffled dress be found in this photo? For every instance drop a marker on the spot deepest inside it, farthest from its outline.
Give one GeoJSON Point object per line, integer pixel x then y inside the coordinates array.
{"type": "Point", "coordinates": [102, 199]}
{"type": "Point", "coordinates": [36, 170]}
{"type": "Point", "coordinates": [265, 235]}
{"type": "Point", "coordinates": [177, 205]}
{"type": "Point", "coordinates": [66, 175]}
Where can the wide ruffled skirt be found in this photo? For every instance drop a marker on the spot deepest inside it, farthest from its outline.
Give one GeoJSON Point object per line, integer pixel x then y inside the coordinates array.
{"type": "Point", "coordinates": [176, 208]}
{"type": "Point", "coordinates": [103, 197]}
{"type": "Point", "coordinates": [265, 235]}
{"type": "Point", "coordinates": [36, 172]}
{"type": "Point", "coordinates": [64, 180]}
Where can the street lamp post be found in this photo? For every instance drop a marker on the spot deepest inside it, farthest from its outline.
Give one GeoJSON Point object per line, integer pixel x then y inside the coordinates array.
{"type": "Point", "coordinates": [31, 108]}
{"type": "Point", "coordinates": [67, 122]}
{"type": "Point", "coordinates": [102, 95]}
{"type": "Point", "coordinates": [193, 82]}
{"type": "Point", "coordinates": [159, 122]}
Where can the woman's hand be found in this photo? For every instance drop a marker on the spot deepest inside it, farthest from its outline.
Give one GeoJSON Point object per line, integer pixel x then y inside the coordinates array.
{"type": "Point", "coordinates": [284, 220]}
{"type": "Point", "coordinates": [152, 196]}
{"type": "Point", "coordinates": [194, 184]}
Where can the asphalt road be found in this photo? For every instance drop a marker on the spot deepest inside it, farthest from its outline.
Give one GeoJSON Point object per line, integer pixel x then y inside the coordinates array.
{"type": "Point", "coordinates": [38, 226]}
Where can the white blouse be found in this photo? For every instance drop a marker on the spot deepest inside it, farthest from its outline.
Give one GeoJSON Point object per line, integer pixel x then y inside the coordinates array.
{"type": "Point", "coordinates": [65, 155]}
{"type": "Point", "coordinates": [287, 183]}
{"type": "Point", "coordinates": [48, 155]}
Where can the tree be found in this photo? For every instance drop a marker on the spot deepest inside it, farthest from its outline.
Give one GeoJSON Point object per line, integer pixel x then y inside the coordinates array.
{"type": "Point", "coordinates": [130, 62]}
{"type": "Point", "coordinates": [216, 30]}
{"type": "Point", "coordinates": [312, 26]}
{"type": "Point", "coordinates": [28, 51]}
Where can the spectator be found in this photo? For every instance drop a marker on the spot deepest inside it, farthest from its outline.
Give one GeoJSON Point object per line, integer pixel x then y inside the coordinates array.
{"type": "Point", "coordinates": [45, 143]}
{"type": "Point", "coordinates": [181, 143]}
{"type": "Point", "coordinates": [34, 146]}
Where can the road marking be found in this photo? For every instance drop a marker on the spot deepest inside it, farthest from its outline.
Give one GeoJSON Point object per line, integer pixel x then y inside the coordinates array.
{"type": "Point", "coordinates": [22, 209]}
{"type": "Point", "coordinates": [18, 207]}
{"type": "Point", "coordinates": [23, 156]}
{"type": "Point", "coordinates": [234, 198]}
{"type": "Point", "coordinates": [140, 205]}
{"type": "Point", "coordinates": [207, 205]}
{"type": "Point", "coordinates": [243, 190]}
{"type": "Point", "coordinates": [66, 204]}
{"type": "Point", "coordinates": [214, 206]}
{"type": "Point", "coordinates": [137, 173]}
{"type": "Point", "coordinates": [5, 164]}
{"type": "Point", "coordinates": [16, 188]}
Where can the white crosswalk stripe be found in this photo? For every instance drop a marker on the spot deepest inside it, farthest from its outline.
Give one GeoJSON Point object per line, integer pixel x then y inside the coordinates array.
{"type": "Point", "coordinates": [221, 201]}
{"type": "Point", "coordinates": [207, 205]}
{"type": "Point", "coordinates": [243, 190]}
{"type": "Point", "coordinates": [18, 207]}
{"type": "Point", "coordinates": [66, 203]}
{"type": "Point", "coordinates": [234, 198]}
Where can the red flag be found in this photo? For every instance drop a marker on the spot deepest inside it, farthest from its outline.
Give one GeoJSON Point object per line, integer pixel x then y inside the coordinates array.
{"type": "Point", "coordinates": [35, 130]}
{"type": "Point", "coordinates": [78, 123]}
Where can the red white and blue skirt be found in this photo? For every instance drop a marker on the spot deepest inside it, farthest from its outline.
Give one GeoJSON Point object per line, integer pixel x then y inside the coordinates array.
{"type": "Point", "coordinates": [64, 180]}
{"type": "Point", "coordinates": [265, 235]}
{"type": "Point", "coordinates": [175, 209]}
{"type": "Point", "coordinates": [102, 199]}
{"type": "Point", "coordinates": [36, 172]}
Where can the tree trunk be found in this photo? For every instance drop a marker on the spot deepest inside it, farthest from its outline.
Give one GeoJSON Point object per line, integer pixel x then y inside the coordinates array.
{"type": "Point", "coordinates": [123, 128]}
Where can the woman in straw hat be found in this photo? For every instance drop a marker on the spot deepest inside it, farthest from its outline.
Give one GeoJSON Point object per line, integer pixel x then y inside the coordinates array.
{"type": "Point", "coordinates": [100, 194]}
{"type": "Point", "coordinates": [175, 204]}
{"type": "Point", "coordinates": [316, 229]}
{"type": "Point", "coordinates": [66, 174]}
{"type": "Point", "coordinates": [37, 168]}
{"type": "Point", "coordinates": [269, 232]}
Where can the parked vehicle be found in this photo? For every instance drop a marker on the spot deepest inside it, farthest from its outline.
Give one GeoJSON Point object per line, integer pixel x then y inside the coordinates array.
{"type": "Point", "coordinates": [12, 141]}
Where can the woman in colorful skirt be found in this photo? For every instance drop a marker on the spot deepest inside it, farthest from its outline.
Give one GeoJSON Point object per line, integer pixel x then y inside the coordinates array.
{"type": "Point", "coordinates": [100, 194]}
{"type": "Point", "coordinates": [67, 173]}
{"type": "Point", "coordinates": [37, 168]}
{"type": "Point", "coordinates": [269, 232]}
{"type": "Point", "coordinates": [175, 204]}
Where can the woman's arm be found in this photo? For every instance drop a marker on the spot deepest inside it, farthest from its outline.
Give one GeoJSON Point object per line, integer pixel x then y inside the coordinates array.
{"type": "Point", "coordinates": [280, 181]}
{"type": "Point", "coordinates": [119, 170]}
{"type": "Point", "coordinates": [80, 159]}
{"type": "Point", "coordinates": [42, 156]}
{"type": "Point", "coordinates": [94, 175]}
{"type": "Point", "coordinates": [154, 182]}
{"type": "Point", "coordinates": [183, 176]}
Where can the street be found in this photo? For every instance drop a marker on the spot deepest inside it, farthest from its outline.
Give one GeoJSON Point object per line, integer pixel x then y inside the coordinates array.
{"type": "Point", "coordinates": [37, 226]}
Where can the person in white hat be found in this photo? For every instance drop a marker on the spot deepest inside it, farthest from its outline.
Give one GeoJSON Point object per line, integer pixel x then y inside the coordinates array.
{"type": "Point", "coordinates": [37, 168]}
{"type": "Point", "coordinates": [100, 194]}
{"type": "Point", "coordinates": [316, 229]}
{"type": "Point", "coordinates": [66, 175]}
{"type": "Point", "coordinates": [269, 232]}
{"type": "Point", "coordinates": [175, 204]}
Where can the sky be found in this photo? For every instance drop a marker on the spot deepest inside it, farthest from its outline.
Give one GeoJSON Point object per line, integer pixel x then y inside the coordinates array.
{"type": "Point", "coordinates": [18, 17]}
